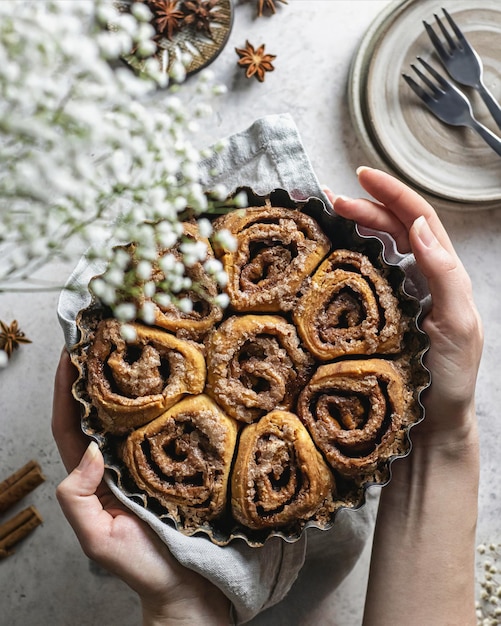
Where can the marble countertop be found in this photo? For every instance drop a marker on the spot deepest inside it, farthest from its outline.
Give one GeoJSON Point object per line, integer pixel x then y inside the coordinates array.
{"type": "Point", "coordinates": [49, 580]}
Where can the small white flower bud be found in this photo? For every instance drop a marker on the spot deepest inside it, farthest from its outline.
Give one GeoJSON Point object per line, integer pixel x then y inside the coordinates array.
{"type": "Point", "coordinates": [144, 270]}
{"type": "Point", "coordinates": [180, 203]}
{"type": "Point", "coordinates": [241, 200]}
{"type": "Point", "coordinates": [213, 266]}
{"type": "Point", "coordinates": [219, 90]}
{"type": "Point", "coordinates": [189, 259]}
{"type": "Point", "coordinates": [204, 227]}
{"type": "Point", "coordinates": [176, 283]}
{"type": "Point", "coordinates": [98, 285]}
{"type": "Point", "coordinates": [146, 48]}
{"type": "Point", "coordinates": [149, 289]}
{"type": "Point", "coordinates": [185, 305]}
{"type": "Point", "coordinates": [147, 313]}
{"type": "Point", "coordinates": [167, 239]}
{"type": "Point", "coordinates": [163, 299]}
{"type": "Point", "coordinates": [206, 75]}
{"type": "Point", "coordinates": [222, 278]}
{"type": "Point", "coordinates": [167, 263]}
{"type": "Point", "coordinates": [222, 300]}
{"type": "Point", "coordinates": [219, 192]}
{"type": "Point", "coordinates": [178, 268]}
{"type": "Point", "coordinates": [141, 12]}
{"type": "Point", "coordinates": [177, 72]}
{"type": "Point", "coordinates": [220, 145]}
{"type": "Point", "coordinates": [114, 276]}
{"type": "Point", "coordinates": [125, 312]}
{"type": "Point", "coordinates": [226, 240]}
{"type": "Point", "coordinates": [128, 332]}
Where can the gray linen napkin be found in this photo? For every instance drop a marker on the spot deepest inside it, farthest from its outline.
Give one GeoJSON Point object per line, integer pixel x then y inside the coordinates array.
{"type": "Point", "coordinates": [266, 156]}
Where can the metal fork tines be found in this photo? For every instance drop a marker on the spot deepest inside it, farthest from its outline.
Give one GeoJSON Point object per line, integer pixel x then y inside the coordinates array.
{"type": "Point", "coordinates": [448, 103]}
{"type": "Point", "coordinates": [462, 61]}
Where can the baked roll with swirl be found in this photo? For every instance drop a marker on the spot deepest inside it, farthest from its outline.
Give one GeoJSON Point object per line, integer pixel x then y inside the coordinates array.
{"type": "Point", "coordinates": [356, 413]}
{"type": "Point", "coordinates": [255, 364]}
{"type": "Point", "coordinates": [132, 382]}
{"type": "Point", "coordinates": [205, 313]}
{"type": "Point", "coordinates": [277, 248]}
{"type": "Point", "coordinates": [349, 308]}
{"type": "Point", "coordinates": [183, 459]}
{"type": "Point", "coordinates": [279, 477]}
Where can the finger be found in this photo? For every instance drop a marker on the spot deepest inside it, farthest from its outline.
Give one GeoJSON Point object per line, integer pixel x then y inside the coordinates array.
{"type": "Point", "coordinates": [447, 278]}
{"type": "Point", "coordinates": [372, 215]}
{"type": "Point", "coordinates": [81, 506]}
{"type": "Point", "coordinates": [328, 192]}
{"type": "Point", "coordinates": [405, 204]}
{"type": "Point", "coordinates": [66, 429]}
{"type": "Point", "coordinates": [453, 324]}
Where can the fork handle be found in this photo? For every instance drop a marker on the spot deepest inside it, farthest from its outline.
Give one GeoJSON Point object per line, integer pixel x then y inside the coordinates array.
{"type": "Point", "coordinates": [488, 136]}
{"type": "Point", "coordinates": [492, 104]}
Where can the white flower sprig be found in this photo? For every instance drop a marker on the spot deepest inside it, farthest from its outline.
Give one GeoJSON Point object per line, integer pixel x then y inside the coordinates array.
{"type": "Point", "coordinates": [86, 159]}
{"type": "Point", "coordinates": [489, 600]}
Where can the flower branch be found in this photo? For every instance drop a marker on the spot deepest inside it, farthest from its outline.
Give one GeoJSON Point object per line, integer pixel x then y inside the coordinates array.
{"type": "Point", "coordinates": [92, 154]}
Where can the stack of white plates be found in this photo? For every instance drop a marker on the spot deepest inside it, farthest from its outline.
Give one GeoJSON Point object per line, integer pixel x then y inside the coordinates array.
{"type": "Point", "coordinates": [452, 166]}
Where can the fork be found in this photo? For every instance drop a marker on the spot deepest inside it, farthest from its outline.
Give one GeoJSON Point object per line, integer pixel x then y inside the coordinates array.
{"type": "Point", "coordinates": [462, 61]}
{"type": "Point", "coordinates": [448, 103]}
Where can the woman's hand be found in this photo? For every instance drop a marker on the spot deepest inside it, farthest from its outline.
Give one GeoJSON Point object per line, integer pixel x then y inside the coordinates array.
{"type": "Point", "coordinates": [453, 324]}
{"type": "Point", "coordinates": [114, 537]}
{"type": "Point", "coordinates": [423, 552]}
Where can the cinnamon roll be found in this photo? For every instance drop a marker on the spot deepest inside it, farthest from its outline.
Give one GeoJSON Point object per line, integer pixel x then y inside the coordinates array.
{"type": "Point", "coordinates": [349, 308]}
{"type": "Point", "coordinates": [355, 412]}
{"type": "Point", "coordinates": [183, 459]}
{"type": "Point", "coordinates": [255, 364]}
{"type": "Point", "coordinates": [279, 477]}
{"type": "Point", "coordinates": [277, 248]}
{"type": "Point", "coordinates": [205, 313]}
{"type": "Point", "coordinates": [132, 382]}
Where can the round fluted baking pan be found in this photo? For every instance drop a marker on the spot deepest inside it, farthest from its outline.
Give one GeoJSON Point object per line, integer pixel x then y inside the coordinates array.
{"type": "Point", "coordinates": [401, 274]}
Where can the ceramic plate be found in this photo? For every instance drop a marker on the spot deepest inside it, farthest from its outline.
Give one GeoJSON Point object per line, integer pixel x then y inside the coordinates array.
{"type": "Point", "coordinates": [452, 165]}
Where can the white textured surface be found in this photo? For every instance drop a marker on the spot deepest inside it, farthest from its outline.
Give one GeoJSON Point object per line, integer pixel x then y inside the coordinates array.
{"type": "Point", "coordinates": [49, 581]}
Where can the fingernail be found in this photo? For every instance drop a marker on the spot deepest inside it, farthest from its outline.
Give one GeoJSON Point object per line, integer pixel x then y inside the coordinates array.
{"type": "Point", "coordinates": [89, 455]}
{"type": "Point", "coordinates": [362, 168]}
{"type": "Point", "coordinates": [332, 196]}
{"type": "Point", "coordinates": [424, 231]}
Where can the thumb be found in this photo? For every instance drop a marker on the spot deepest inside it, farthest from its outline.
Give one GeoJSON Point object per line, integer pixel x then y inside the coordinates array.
{"type": "Point", "coordinates": [77, 496]}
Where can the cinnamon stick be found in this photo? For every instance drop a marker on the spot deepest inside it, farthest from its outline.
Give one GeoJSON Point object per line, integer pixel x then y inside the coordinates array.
{"type": "Point", "coordinates": [19, 484]}
{"type": "Point", "coordinates": [16, 529]}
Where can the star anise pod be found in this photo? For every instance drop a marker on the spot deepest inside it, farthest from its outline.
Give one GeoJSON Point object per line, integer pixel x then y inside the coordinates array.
{"type": "Point", "coordinates": [200, 14]}
{"type": "Point", "coordinates": [166, 16]}
{"type": "Point", "coordinates": [255, 60]}
{"type": "Point", "coordinates": [269, 4]}
{"type": "Point", "coordinates": [10, 337]}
